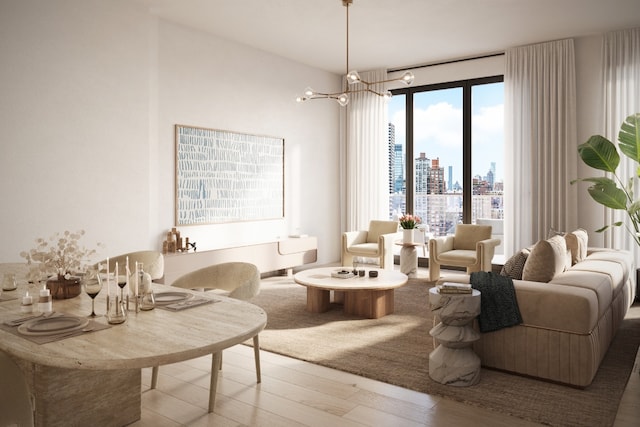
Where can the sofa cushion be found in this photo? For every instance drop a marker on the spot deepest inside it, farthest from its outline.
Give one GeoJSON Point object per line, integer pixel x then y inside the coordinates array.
{"type": "Point", "coordinates": [596, 281]}
{"type": "Point", "coordinates": [577, 242]}
{"type": "Point", "coordinates": [622, 257]}
{"type": "Point", "coordinates": [562, 308]}
{"type": "Point", "coordinates": [514, 265]}
{"type": "Point", "coordinates": [547, 258]}
{"type": "Point", "coordinates": [613, 270]}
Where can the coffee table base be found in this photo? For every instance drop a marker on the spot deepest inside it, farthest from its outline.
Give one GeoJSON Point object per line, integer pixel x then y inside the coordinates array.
{"type": "Point", "coordinates": [371, 304]}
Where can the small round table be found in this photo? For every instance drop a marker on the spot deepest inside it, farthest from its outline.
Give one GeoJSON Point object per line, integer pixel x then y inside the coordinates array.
{"type": "Point", "coordinates": [409, 258]}
{"type": "Point", "coordinates": [453, 362]}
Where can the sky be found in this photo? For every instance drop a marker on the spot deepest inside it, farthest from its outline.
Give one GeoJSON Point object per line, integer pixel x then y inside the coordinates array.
{"type": "Point", "coordinates": [438, 127]}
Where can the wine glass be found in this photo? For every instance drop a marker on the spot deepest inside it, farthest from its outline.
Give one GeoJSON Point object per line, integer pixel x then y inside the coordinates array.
{"type": "Point", "coordinates": [121, 279]}
{"type": "Point", "coordinates": [92, 286]}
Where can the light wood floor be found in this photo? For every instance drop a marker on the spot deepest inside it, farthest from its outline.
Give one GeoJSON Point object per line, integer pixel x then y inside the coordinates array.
{"type": "Point", "coordinates": [297, 393]}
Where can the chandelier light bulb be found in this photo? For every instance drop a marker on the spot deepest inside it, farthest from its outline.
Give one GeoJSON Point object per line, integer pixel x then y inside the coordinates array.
{"type": "Point", "coordinates": [301, 98]}
{"type": "Point", "coordinates": [387, 95]}
{"type": "Point", "coordinates": [353, 77]}
{"type": "Point", "coordinates": [343, 99]}
{"type": "Point", "coordinates": [407, 78]}
{"type": "Point", "coordinates": [308, 92]}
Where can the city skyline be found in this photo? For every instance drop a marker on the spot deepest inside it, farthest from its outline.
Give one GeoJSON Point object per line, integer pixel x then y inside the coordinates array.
{"type": "Point", "coordinates": [438, 128]}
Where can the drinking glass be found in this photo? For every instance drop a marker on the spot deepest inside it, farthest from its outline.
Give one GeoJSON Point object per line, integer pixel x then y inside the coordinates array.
{"type": "Point", "coordinates": [117, 313]}
{"type": "Point", "coordinates": [92, 284]}
{"type": "Point", "coordinates": [9, 282]}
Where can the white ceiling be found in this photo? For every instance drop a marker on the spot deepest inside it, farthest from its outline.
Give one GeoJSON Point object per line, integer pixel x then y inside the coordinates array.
{"type": "Point", "coordinates": [395, 33]}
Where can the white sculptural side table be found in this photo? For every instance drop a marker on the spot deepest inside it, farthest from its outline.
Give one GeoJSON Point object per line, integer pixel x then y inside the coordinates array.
{"type": "Point", "coordinates": [409, 258]}
{"type": "Point", "coordinates": [454, 362]}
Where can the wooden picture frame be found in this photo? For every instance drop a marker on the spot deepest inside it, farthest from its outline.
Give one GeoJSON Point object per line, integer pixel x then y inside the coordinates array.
{"type": "Point", "coordinates": [224, 176]}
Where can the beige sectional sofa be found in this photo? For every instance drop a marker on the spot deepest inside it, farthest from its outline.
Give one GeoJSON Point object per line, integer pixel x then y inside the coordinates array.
{"type": "Point", "coordinates": [569, 321]}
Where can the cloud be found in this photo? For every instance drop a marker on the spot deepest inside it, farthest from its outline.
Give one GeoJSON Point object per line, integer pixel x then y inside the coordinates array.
{"type": "Point", "coordinates": [438, 134]}
{"type": "Point", "coordinates": [438, 124]}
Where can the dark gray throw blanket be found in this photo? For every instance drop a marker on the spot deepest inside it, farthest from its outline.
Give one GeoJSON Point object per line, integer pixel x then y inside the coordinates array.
{"type": "Point", "coordinates": [498, 304]}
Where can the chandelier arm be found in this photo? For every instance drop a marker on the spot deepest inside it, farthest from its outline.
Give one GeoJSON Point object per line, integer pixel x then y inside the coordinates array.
{"type": "Point", "coordinates": [343, 97]}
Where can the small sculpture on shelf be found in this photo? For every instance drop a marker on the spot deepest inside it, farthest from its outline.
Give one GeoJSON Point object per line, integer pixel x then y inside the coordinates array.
{"type": "Point", "coordinates": [174, 243]}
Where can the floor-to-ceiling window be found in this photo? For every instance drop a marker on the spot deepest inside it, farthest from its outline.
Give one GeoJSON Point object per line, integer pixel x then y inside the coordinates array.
{"type": "Point", "coordinates": [446, 153]}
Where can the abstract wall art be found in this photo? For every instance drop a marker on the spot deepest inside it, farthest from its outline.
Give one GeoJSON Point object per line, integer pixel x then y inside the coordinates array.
{"type": "Point", "coordinates": [224, 176]}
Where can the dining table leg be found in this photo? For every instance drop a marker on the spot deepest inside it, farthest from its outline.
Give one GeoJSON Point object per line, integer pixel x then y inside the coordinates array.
{"type": "Point", "coordinates": [216, 360]}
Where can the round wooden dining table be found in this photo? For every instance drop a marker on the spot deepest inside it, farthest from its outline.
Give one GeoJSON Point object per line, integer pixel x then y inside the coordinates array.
{"type": "Point", "coordinates": [106, 364]}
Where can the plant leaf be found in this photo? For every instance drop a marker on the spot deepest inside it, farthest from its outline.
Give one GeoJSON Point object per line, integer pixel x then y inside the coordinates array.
{"type": "Point", "coordinates": [605, 192]}
{"type": "Point", "coordinates": [629, 137]}
{"type": "Point", "coordinates": [599, 153]}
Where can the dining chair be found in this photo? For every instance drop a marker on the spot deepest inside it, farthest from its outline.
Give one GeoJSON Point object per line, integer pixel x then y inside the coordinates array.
{"type": "Point", "coordinates": [14, 394]}
{"type": "Point", "coordinates": [240, 280]}
{"type": "Point", "coordinates": [153, 262]}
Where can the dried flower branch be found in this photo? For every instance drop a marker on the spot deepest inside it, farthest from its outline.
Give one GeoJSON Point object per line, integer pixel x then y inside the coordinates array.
{"type": "Point", "coordinates": [62, 254]}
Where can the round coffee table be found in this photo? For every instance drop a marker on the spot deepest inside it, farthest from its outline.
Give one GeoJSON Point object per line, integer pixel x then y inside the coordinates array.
{"type": "Point", "coordinates": [371, 297]}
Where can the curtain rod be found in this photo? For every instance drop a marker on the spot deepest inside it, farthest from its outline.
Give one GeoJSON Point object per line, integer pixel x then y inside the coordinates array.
{"type": "Point", "coordinates": [453, 61]}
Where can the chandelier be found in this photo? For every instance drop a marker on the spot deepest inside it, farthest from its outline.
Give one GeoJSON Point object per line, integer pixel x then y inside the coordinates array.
{"type": "Point", "coordinates": [352, 78]}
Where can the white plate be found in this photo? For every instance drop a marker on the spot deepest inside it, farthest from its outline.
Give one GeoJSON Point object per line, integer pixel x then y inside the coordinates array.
{"type": "Point", "coordinates": [52, 325]}
{"type": "Point", "coordinates": [163, 298]}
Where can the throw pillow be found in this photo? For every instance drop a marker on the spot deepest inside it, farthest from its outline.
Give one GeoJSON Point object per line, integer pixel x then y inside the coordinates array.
{"type": "Point", "coordinates": [553, 232]}
{"type": "Point", "coordinates": [547, 258]}
{"type": "Point", "coordinates": [577, 242]}
{"type": "Point", "coordinates": [514, 265]}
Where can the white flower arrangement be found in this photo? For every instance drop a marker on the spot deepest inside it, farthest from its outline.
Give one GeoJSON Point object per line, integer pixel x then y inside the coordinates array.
{"type": "Point", "coordinates": [61, 255]}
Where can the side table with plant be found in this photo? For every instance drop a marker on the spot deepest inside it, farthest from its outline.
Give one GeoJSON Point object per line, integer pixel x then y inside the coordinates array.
{"type": "Point", "coordinates": [408, 223]}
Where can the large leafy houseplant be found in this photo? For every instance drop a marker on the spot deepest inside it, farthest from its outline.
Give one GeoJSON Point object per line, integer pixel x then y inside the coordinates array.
{"type": "Point", "coordinates": [612, 191]}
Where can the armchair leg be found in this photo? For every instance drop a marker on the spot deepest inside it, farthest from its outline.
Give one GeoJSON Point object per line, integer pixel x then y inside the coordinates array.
{"type": "Point", "coordinates": [434, 270]}
{"type": "Point", "coordinates": [347, 259]}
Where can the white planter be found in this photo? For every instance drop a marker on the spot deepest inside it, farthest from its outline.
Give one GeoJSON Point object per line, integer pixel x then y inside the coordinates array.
{"type": "Point", "coordinates": [407, 235]}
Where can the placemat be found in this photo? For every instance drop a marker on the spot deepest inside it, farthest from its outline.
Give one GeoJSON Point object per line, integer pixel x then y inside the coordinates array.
{"type": "Point", "coordinates": [43, 339]}
{"type": "Point", "coordinates": [194, 302]}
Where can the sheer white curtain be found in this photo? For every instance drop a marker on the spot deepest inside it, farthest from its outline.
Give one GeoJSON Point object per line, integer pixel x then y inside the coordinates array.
{"type": "Point", "coordinates": [621, 73]}
{"type": "Point", "coordinates": [540, 141]}
{"type": "Point", "coordinates": [367, 157]}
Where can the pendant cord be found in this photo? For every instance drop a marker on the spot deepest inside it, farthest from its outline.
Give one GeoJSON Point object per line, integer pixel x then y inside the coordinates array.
{"type": "Point", "coordinates": [347, 70]}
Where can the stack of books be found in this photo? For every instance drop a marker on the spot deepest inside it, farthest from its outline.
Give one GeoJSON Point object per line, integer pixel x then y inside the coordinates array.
{"type": "Point", "coordinates": [454, 288]}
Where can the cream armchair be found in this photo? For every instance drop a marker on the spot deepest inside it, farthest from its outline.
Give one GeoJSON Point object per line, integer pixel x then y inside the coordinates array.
{"type": "Point", "coordinates": [377, 242]}
{"type": "Point", "coordinates": [471, 246]}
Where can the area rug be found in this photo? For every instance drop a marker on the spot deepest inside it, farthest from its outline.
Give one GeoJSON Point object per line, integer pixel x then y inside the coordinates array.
{"type": "Point", "coordinates": [395, 349]}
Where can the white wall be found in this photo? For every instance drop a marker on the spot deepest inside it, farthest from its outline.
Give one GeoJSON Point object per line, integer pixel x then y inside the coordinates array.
{"type": "Point", "coordinates": [91, 91]}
